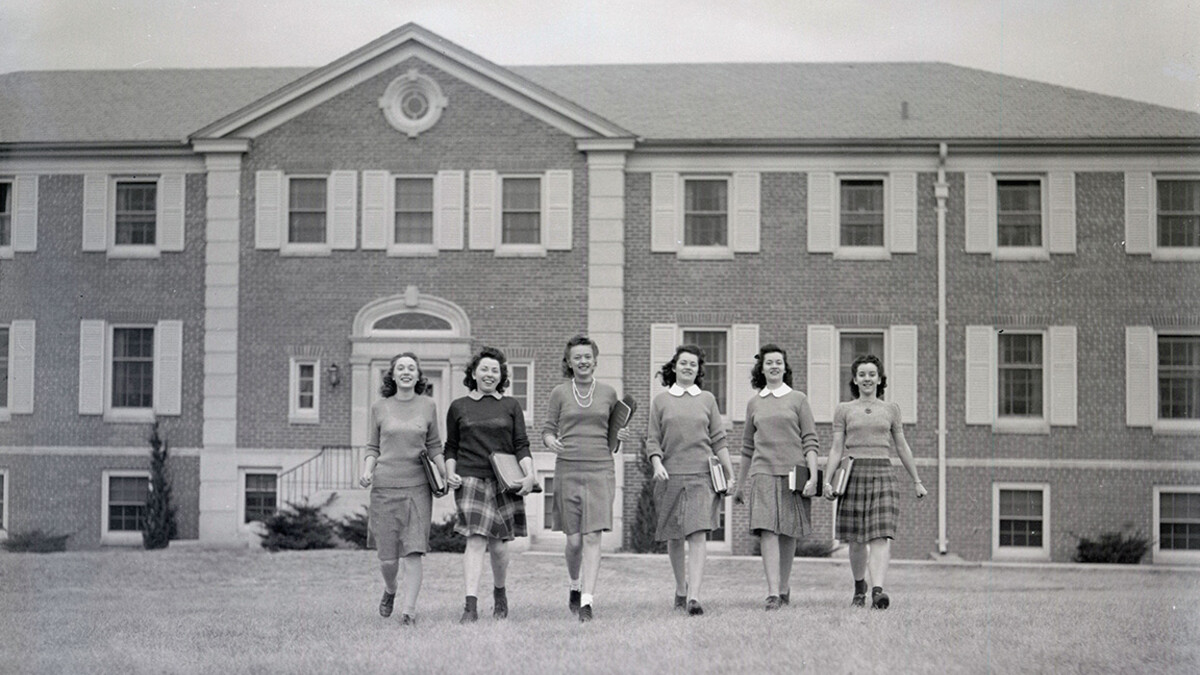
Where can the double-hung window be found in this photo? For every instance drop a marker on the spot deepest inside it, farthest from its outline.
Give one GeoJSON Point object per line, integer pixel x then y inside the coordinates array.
{"type": "Point", "coordinates": [1178, 213]}
{"type": "Point", "coordinates": [123, 500]}
{"type": "Point", "coordinates": [1177, 523]}
{"type": "Point", "coordinates": [1021, 375]}
{"type": "Point", "coordinates": [413, 216]}
{"type": "Point", "coordinates": [130, 372]}
{"type": "Point", "coordinates": [520, 387]}
{"type": "Point", "coordinates": [1021, 521]}
{"type": "Point", "coordinates": [1019, 213]}
{"type": "Point", "coordinates": [521, 211]}
{"type": "Point", "coordinates": [1162, 379]}
{"type": "Point", "coordinates": [307, 214]}
{"type": "Point", "coordinates": [134, 215]}
{"type": "Point", "coordinates": [306, 210]}
{"type": "Point", "coordinates": [861, 216]}
{"type": "Point", "coordinates": [1179, 377]}
{"type": "Point", "coordinates": [705, 212]}
{"type": "Point", "coordinates": [831, 350]}
{"type": "Point", "coordinates": [132, 376]}
{"type": "Point", "coordinates": [715, 345]}
{"type": "Point", "coordinates": [709, 216]}
{"type": "Point", "coordinates": [260, 495]}
{"type": "Point", "coordinates": [1020, 216]}
{"type": "Point", "coordinates": [729, 351]}
{"type": "Point", "coordinates": [305, 391]}
{"type": "Point", "coordinates": [1162, 215]}
{"type": "Point", "coordinates": [6, 212]}
{"type": "Point", "coordinates": [1021, 380]}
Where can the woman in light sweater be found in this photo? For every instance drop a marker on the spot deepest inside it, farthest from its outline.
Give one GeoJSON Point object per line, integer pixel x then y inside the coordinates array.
{"type": "Point", "coordinates": [576, 428]}
{"type": "Point", "coordinates": [477, 425]}
{"type": "Point", "coordinates": [867, 429]}
{"type": "Point", "coordinates": [685, 431]}
{"type": "Point", "coordinates": [780, 434]}
{"type": "Point", "coordinates": [403, 423]}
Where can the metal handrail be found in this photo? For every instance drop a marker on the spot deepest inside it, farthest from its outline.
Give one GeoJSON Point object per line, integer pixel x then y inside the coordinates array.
{"type": "Point", "coordinates": [334, 467]}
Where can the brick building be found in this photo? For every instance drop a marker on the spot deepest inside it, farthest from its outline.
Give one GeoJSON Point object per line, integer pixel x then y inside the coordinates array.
{"type": "Point", "coordinates": [236, 253]}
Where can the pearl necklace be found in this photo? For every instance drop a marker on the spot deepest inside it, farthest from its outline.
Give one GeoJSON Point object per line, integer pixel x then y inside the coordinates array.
{"type": "Point", "coordinates": [580, 398]}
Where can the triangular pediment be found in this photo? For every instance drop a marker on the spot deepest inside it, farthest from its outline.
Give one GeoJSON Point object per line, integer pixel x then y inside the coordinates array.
{"type": "Point", "coordinates": [405, 43]}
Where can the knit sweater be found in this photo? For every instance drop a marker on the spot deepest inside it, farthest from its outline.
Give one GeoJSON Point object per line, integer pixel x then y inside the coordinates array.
{"type": "Point", "coordinates": [685, 431]}
{"type": "Point", "coordinates": [399, 431]}
{"type": "Point", "coordinates": [779, 432]}
{"type": "Point", "coordinates": [582, 431]}
{"type": "Point", "coordinates": [477, 428]}
{"type": "Point", "coordinates": [868, 435]}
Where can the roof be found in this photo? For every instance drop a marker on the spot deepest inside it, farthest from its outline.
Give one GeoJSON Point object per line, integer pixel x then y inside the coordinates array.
{"type": "Point", "coordinates": [689, 102]}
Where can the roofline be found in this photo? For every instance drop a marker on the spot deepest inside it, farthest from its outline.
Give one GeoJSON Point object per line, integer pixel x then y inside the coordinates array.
{"type": "Point", "coordinates": [1129, 145]}
{"type": "Point", "coordinates": [97, 149]}
{"type": "Point", "coordinates": [409, 32]}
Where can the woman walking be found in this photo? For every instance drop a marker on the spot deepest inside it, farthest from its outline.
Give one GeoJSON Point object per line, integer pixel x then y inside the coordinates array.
{"type": "Point", "coordinates": [403, 424]}
{"type": "Point", "coordinates": [576, 428]}
{"type": "Point", "coordinates": [779, 436]}
{"type": "Point", "coordinates": [477, 425]}
{"type": "Point", "coordinates": [867, 429]}
{"type": "Point", "coordinates": [686, 430]}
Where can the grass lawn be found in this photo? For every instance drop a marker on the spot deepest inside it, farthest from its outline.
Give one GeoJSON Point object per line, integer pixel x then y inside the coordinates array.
{"type": "Point", "coordinates": [194, 610]}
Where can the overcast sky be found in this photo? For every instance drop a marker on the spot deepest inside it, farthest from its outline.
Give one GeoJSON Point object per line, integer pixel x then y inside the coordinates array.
{"type": "Point", "coordinates": [1147, 50]}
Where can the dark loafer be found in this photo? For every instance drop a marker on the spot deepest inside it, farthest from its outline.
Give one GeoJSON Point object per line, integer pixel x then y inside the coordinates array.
{"type": "Point", "coordinates": [386, 604]}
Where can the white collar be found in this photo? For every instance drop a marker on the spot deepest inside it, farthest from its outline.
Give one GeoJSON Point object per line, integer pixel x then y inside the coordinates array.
{"type": "Point", "coordinates": [477, 395]}
{"type": "Point", "coordinates": [677, 390]}
{"type": "Point", "coordinates": [782, 391]}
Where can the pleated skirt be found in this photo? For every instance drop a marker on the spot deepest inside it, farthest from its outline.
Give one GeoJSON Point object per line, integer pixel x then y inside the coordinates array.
{"type": "Point", "coordinates": [400, 518]}
{"type": "Point", "coordinates": [871, 505]}
{"type": "Point", "coordinates": [775, 508]}
{"type": "Point", "coordinates": [685, 504]}
{"type": "Point", "coordinates": [583, 496]}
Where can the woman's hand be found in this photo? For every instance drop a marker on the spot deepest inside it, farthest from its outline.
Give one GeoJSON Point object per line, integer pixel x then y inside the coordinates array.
{"type": "Point", "coordinates": [731, 485]}
{"type": "Point", "coordinates": [921, 491]}
{"type": "Point", "coordinates": [527, 484]}
{"type": "Point", "coordinates": [453, 480]}
{"type": "Point", "coordinates": [365, 479]}
{"type": "Point", "coordinates": [810, 487]}
{"type": "Point", "coordinates": [551, 441]}
{"type": "Point", "coordinates": [739, 497]}
{"type": "Point", "coordinates": [660, 472]}
{"type": "Point", "coordinates": [624, 434]}
{"type": "Point", "coordinates": [829, 493]}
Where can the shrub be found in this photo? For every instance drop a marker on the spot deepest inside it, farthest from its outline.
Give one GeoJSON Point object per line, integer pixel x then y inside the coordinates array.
{"type": "Point", "coordinates": [443, 538]}
{"type": "Point", "coordinates": [807, 547]}
{"type": "Point", "coordinates": [158, 529]}
{"type": "Point", "coordinates": [1113, 547]}
{"type": "Point", "coordinates": [645, 520]}
{"type": "Point", "coordinates": [298, 527]}
{"type": "Point", "coordinates": [35, 541]}
{"type": "Point", "coordinates": [353, 529]}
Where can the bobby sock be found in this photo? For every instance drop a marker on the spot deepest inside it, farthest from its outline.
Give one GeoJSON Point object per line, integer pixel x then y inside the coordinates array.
{"type": "Point", "coordinates": [876, 590]}
{"type": "Point", "coordinates": [585, 599]}
{"type": "Point", "coordinates": [575, 585]}
{"type": "Point", "coordinates": [471, 600]}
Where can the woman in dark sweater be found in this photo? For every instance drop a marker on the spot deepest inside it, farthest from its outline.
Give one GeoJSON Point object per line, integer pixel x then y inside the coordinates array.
{"type": "Point", "coordinates": [477, 425]}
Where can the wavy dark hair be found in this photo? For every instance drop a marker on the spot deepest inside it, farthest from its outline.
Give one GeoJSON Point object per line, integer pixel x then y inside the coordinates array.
{"type": "Point", "coordinates": [487, 353]}
{"type": "Point", "coordinates": [389, 387]}
{"type": "Point", "coordinates": [667, 373]}
{"type": "Point", "coordinates": [576, 341]}
{"type": "Point", "coordinates": [757, 379]}
{"type": "Point", "coordinates": [869, 358]}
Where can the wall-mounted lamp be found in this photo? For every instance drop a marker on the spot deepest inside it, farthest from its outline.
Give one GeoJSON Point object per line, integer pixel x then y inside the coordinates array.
{"type": "Point", "coordinates": [334, 374]}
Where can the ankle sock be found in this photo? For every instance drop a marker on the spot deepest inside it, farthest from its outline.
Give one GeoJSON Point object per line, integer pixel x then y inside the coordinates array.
{"type": "Point", "coordinates": [876, 590]}
{"type": "Point", "coordinates": [575, 585]}
{"type": "Point", "coordinates": [860, 586]}
{"type": "Point", "coordinates": [585, 599]}
{"type": "Point", "coordinates": [471, 602]}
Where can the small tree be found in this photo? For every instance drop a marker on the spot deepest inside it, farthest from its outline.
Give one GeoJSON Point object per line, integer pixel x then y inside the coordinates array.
{"type": "Point", "coordinates": [158, 528]}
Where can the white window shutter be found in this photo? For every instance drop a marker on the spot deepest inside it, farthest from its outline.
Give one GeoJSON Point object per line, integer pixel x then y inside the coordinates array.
{"type": "Point", "coordinates": [378, 192]}
{"type": "Point", "coordinates": [168, 368]}
{"type": "Point", "coordinates": [663, 340]}
{"type": "Point", "coordinates": [745, 347]}
{"type": "Point", "coordinates": [343, 210]}
{"type": "Point", "coordinates": [21, 350]}
{"type": "Point", "coordinates": [903, 219]}
{"type": "Point", "coordinates": [1062, 212]}
{"type": "Point", "coordinates": [95, 212]}
{"type": "Point", "coordinates": [268, 209]}
{"type": "Point", "coordinates": [448, 210]}
{"type": "Point", "coordinates": [1063, 378]}
{"type": "Point", "coordinates": [821, 374]}
{"type": "Point", "coordinates": [822, 200]}
{"type": "Point", "coordinates": [24, 222]}
{"type": "Point", "coordinates": [91, 367]}
{"type": "Point", "coordinates": [1141, 378]}
{"type": "Point", "coordinates": [979, 395]}
{"type": "Point", "coordinates": [1139, 212]}
{"type": "Point", "coordinates": [665, 212]}
{"type": "Point", "coordinates": [171, 199]}
{"type": "Point", "coordinates": [980, 223]}
{"type": "Point", "coordinates": [556, 209]}
{"type": "Point", "coordinates": [902, 372]}
{"type": "Point", "coordinates": [747, 220]}
{"type": "Point", "coordinates": [484, 205]}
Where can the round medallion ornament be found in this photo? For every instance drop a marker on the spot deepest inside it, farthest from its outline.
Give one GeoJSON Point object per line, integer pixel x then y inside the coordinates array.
{"type": "Point", "coordinates": [412, 103]}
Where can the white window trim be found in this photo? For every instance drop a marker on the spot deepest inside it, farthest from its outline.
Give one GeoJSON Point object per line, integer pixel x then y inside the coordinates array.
{"type": "Point", "coordinates": [1023, 425]}
{"type": "Point", "coordinates": [1020, 552]}
{"type": "Point", "coordinates": [115, 250]}
{"type": "Point", "coordinates": [123, 415]}
{"type": "Point", "coordinates": [117, 538]}
{"type": "Point", "coordinates": [243, 471]}
{"type": "Point", "coordinates": [843, 369]}
{"type": "Point", "coordinates": [289, 249]}
{"type": "Point", "coordinates": [395, 250]}
{"type": "Point", "coordinates": [1021, 253]}
{"type": "Point", "coordinates": [537, 250]}
{"type": "Point", "coordinates": [4, 485]}
{"type": "Point", "coordinates": [724, 545]}
{"type": "Point", "coordinates": [528, 411]}
{"type": "Point", "coordinates": [296, 414]}
{"type": "Point", "coordinates": [1158, 555]}
{"type": "Point", "coordinates": [1172, 253]}
{"type": "Point", "coordinates": [6, 250]}
{"type": "Point", "coordinates": [6, 409]}
{"type": "Point", "coordinates": [705, 252]}
{"type": "Point", "coordinates": [727, 416]}
{"type": "Point", "coordinates": [846, 252]}
{"type": "Point", "coordinates": [1160, 426]}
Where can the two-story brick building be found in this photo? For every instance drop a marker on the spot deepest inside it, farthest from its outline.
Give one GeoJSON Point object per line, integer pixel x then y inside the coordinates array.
{"type": "Point", "coordinates": [237, 253]}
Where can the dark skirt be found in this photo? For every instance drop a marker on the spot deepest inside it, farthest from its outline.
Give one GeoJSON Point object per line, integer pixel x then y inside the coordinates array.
{"type": "Point", "coordinates": [485, 511]}
{"type": "Point", "coordinates": [871, 506]}
{"type": "Point", "coordinates": [399, 519]}
{"type": "Point", "coordinates": [685, 504]}
{"type": "Point", "coordinates": [775, 508]}
{"type": "Point", "coordinates": [583, 496]}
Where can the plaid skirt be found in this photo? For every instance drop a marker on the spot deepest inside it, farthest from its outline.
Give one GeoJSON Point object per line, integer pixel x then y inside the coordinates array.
{"type": "Point", "coordinates": [685, 504]}
{"type": "Point", "coordinates": [399, 519]}
{"type": "Point", "coordinates": [871, 505]}
{"type": "Point", "coordinates": [775, 508]}
{"type": "Point", "coordinates": [487, 512]}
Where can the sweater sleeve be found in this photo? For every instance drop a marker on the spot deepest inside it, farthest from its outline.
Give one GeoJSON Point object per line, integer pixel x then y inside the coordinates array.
{"type": "Point", "coordinates": [373, 431]}
{"type": "Point", "coordinates": [808, 428]}
{"type": "Point", "coordinates": [654, 433]}
{"type": "Point", "coordinates": [553, 410]}
{"type": "Point", "coordinates": [433, 441]}
{"type": "Point", "coordinates": [716, 426]}
{"type": "Point", "coordinates": [748, 432]}
{"type": "Point", "coordinates": [452, 433]}
{"type": "Point", "coordinates": [520, 437]}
